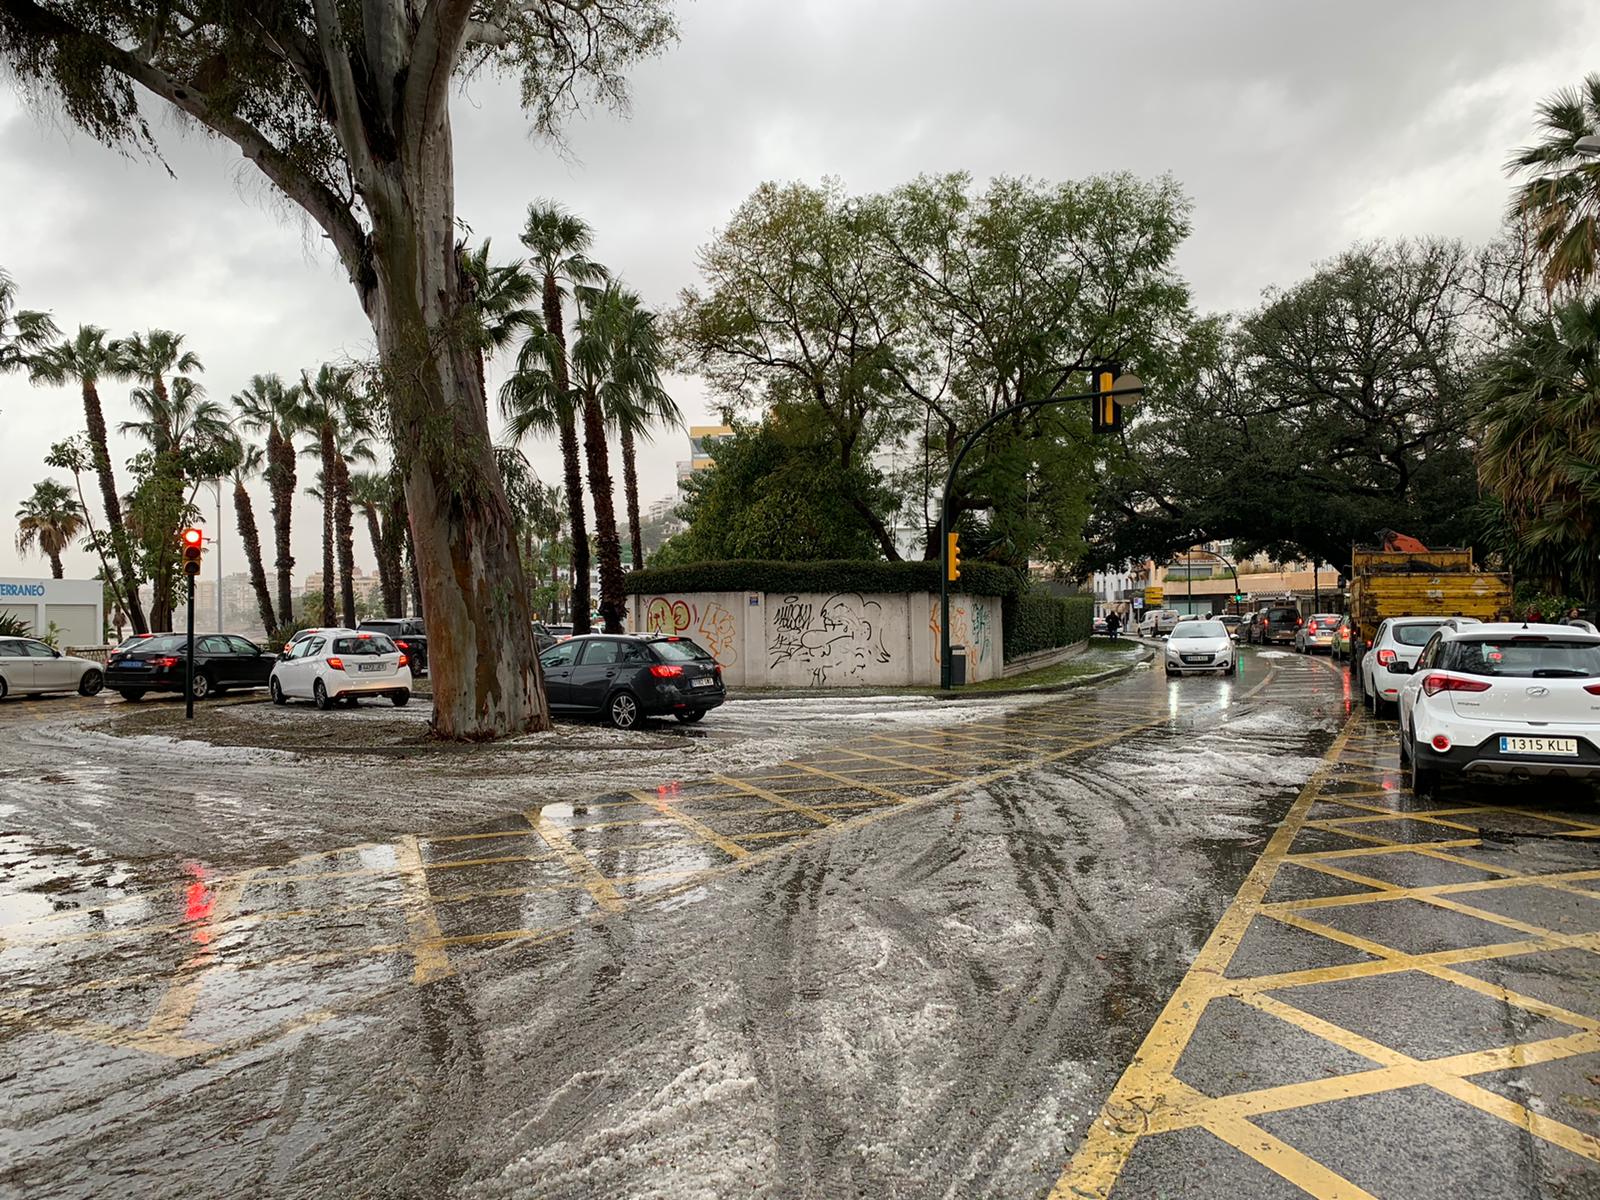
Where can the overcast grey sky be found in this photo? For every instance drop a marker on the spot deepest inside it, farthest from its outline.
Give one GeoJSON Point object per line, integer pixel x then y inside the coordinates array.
{"type": "Point", "coordinates": [1296, 128]}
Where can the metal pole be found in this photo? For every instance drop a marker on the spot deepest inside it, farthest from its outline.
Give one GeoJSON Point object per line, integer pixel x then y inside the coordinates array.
{"type": "Point", "coordinates": [188, 666]}
{"type": "Point", "coordinates": [216, 547]}
{"type": "Point", "coordinates": [1316, 588]}
{"type": "Point", "coordinates": [1189, 559]}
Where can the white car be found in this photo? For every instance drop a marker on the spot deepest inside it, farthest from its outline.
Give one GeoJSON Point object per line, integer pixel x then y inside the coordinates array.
{"type": "Point", "coordinates": [29, 667]}
{"type": "Point", "coordinates": [1201, 646]}
{"type": "Point", "coordinates": [341, 664]}
{"type": "Point", "coordinates": [1396, 644]}
{"type": "Point", "coordinates": [1158, 622]}
{"type": "Point", "coordinates": [1502, 699]}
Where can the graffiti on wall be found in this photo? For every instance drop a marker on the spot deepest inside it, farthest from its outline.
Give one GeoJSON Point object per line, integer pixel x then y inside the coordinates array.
{"type": "Point", "coordinates": [838, 639]}
{"type": "Point", "coordinates": [976, 633]}
{"type": "Point", "coordinates": [710, 624]}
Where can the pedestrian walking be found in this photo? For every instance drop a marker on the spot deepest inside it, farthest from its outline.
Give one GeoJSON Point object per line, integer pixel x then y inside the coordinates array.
{"type": "Point", "coordinates": [1573, 616]}
{"type": "Point", "coordinates": [1113, 623]}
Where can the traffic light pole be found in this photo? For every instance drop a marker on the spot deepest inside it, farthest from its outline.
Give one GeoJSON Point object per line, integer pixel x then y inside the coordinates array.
{"type": "Point", "coordinates": [967, 444]}
{"type": "Point", "coordinates": [188, 662]}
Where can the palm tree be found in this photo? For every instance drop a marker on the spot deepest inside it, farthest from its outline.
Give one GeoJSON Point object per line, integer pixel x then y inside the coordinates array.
{"type": "Point", "coordinates": [501, 294]}
{"type": "Point", "coordinates": [633, 398]}
{"type": "Point", "coordinates": [89, 358]}
{"type": "Point", "coordinates": [48, 521]}
{"type": "Point", "coordinates": [268, 406]}
{"type": "Point", "coordinates": [248, 462]}
{"type": "Point", "coordinates": [558, 245]}
{"type": "Point", "coordinates": [1561, 198]}
{"type": "Point", "coordinates": [155, 357]}
{"type": "Point", "coordinates": [1539, 447]}
{"type": "Point", "coordinates": [22, 332]}
{"type": "Point", "coordinates": [331, 407]}
{"type": "Point", "coordinates": [370, 492]}
{"type": "Point", "coordinates": [594, 363]}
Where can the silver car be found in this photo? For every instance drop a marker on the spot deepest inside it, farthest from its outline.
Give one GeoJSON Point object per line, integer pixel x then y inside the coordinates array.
{"type": "Point", "coordinates": [29, 667]}
{"type": "Point", "coordinates": [1201, 646]}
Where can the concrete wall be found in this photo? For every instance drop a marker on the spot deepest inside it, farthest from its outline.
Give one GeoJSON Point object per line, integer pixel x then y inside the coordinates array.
{"type": "Point", "coordinates": [828, 639]}
{"type": "Point", "coordinates": [75, 605]}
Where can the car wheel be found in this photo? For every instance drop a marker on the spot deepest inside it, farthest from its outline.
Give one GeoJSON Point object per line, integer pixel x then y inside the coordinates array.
{"type": "Point", "coordinates": [320, 695]}
{"type": "Point", "coordinates": [90, 684]}
{"type": "Point", "coordinates": [202, 685]}
{"type": "Point", "coordinates": [1423, 781]}
{"type": "Point", "coordinates": [131, 694]}
{"type": "Point", "coordinates": [691, 716]}
{"type": "Point", "coordinates": [1233, 669]}
{"type": "Point", "coordinates": [400, 699]}
{"type": "Point", "coordinates": [1383, 709]}
{"type": "Point", "coordinates": [4, 687]}
{"type": "Point", "coordinates": [276, 689]}
{"type": "Point", "coordinates": [623, 711]}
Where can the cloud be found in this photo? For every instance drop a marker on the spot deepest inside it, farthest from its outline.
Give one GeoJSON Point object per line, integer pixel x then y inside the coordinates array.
{"type": "Point", "coordinates": [1296, 128]}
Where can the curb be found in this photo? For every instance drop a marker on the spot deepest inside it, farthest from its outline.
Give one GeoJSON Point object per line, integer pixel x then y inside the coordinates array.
{"type": "Point", "coordinates": [1052, 688]}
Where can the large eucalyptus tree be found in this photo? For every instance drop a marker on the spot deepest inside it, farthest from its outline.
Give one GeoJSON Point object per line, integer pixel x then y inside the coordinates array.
{"type": "Point", "coordinates": [345, 108]}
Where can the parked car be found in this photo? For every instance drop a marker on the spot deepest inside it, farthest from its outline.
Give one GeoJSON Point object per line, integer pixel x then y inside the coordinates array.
{"type": "Point", "coordinates": [157, 664]}
{"type": "Point", "coordinates": [1501, 698]}
{"type": "Point", "coordinates": [1317, 633]}
{"type": "Point", "coordinates": [301, 635]}
{"type": "Point", "coordinates": [342, 664]}
{"type": "Point", "coordinates": [628, 677]}
{"type": "Point", "coordinates": [29, 667]}
{"type": "Point", "coordinates": [1279, 625]}
{"type": "Point", "coordinates": [543, 639]}
{"type": "Point", "coordinates": [1254, 624]}
{"type": "Point", "coordinates": [407, 633]}
{"type": "Point", "coordinates": [129, 642]}
{"type": "Point", "coordinates": [1158, 622]}
{"type": "Point", "coordinates": [1233, 624]}
{"type": "Point", "coordinates": [1202, 645]}
{"type": "Point", "coordinates": [560, 632]}
{"type": "Point", "coordinates": [1340, 648]}
{"type": "Point", "coordinates": [1100, 629]}
{"type": "Point", "coordinates": [1382, 670]}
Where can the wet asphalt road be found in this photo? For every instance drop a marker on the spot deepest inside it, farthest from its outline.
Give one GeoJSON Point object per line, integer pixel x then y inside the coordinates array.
{"type": "Point", "coordinates": [1157, 939]}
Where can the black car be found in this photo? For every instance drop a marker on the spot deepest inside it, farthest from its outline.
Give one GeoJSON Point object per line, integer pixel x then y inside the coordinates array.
{"type": "Point", "coordinates": [406, 632]}
{"type": "Point", "coordinates": [157, 664]}
{"type": "Point", "coordinates": [629, 677]}
{"type": "Point", "coordinates": [543, 639]}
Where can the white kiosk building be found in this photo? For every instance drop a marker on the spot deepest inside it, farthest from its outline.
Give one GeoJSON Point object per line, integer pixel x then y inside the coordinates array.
{"type": "Point", "coordinates": [77, 606]}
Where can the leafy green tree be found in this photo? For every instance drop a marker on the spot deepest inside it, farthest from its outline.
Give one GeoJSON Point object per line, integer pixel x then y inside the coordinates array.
{"type": "Point", "coordinates": [48, 521]}
{"type": "Point", "coordinates": [539, 395]}
{"type": "Point", "coordinates": [86, 359]}
{"type": "Point", "coordinates": [1539, 455]}
{"type": "Point", "coordinates": [1560, 197]}
{"type": "Point", "coordinates": [268, 406]}
{"type": "Point", "coordinates": [72, 454]}
{"type": "Point", "coordinates": [345, 108]}
{"type": "Point", "coordinates": [775, 490]}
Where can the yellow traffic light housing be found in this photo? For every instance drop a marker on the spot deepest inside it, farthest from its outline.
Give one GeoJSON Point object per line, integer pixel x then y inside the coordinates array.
{"type": "Point", "coordinates": [953, 556]}
{"type": "Point", "coordinates": [193, 541]}
{"type": "Point", "coordinates": [1107, 411]}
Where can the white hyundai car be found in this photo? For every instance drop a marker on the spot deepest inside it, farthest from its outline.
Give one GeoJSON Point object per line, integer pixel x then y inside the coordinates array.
{"type": "Point", "coordinates": [29, 667]}
{"type": "Point", "coordinates": [1501, 699]}
{"type": "Point", "coordinates": [1202, 645]}
{"type": "Point", "coordinates": [341, 664]}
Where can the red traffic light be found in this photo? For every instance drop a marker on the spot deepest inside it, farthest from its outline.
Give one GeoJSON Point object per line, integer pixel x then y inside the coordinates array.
{"type": "Point", "coordinates": [192, 537]}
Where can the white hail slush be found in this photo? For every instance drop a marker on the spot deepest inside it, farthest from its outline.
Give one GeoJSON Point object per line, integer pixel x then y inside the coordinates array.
{"type": "Point", "coordinates": [1501, 699]}
{"type": "Point", "coordinates": [1200, 646]}
{"type": "Point", "coordinates": [341, 664]}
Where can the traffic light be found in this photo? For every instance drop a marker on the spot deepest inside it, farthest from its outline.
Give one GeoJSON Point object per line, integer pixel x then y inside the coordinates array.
{"type": "Point", "coordinates": [192, 540]}
{"type": "Point", "coordinates": [953, 556]}
{"type": "Point", "coordinates": [1107, 412]}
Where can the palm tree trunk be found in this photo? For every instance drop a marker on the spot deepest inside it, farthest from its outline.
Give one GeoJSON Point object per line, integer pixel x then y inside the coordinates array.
{"type": "Point", "coordinates": [326, 434]}
{"type": "Point", "coordinates": [568, 421]}
{"type": "Point", "coordinates": [55, 564]}
{"type": "Point", "coordinates": [128, 589]}
{"type": "Point", "coordinates": [605, 513]}
{"type": "Point", "coordinates": [245, 514]}
{"type": "Point", "coordinates": [281, 481]}
{"type": "Point", "coordinates": [344, 526]}
{"type": "Point", "coordinates": [376, 535]}
{"type": "Point", "coordinates": [630, 489]}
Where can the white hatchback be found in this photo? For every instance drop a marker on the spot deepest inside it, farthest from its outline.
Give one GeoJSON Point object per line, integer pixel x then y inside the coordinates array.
{"type": "Point", "coordinates": [1502, 699]}
{"type": "Point", "coordinates": [341, 664]}
{"type": "Point", "coordinates": [1203, 645]}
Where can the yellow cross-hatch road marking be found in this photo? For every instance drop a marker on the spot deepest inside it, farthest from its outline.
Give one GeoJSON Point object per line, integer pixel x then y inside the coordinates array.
{"type": "Point", "coordinates": [602, 889]}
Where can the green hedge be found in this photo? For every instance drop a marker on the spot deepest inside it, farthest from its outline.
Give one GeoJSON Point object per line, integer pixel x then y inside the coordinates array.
{"type": "Point", "coordinates": [1039, 621]}
{"type": "Point", "coordinates": [839, 575]}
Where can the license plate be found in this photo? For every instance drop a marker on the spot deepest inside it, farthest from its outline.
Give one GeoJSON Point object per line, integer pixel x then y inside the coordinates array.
{"type": "Point", "coordinates": [702, 683]}
{"type": "Point", "coordinates": [1539, 745]}
{"type": "Point", "coordinates": [372, 666]}
{"type": "Point", "coordinates": [135, 665]}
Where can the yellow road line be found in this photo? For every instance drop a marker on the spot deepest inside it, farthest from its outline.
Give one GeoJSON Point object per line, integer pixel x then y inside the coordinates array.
{"type": "Point", "coordinates": [604, 892]}
{"type": "Point", "coordinates": [177, 1003]}
{"type": "Point", "coordinates": [429, 960]}
{"type": "Point", "coordinates": [699, 828]}
{"type": "Point", "coordinates": [805, 810]}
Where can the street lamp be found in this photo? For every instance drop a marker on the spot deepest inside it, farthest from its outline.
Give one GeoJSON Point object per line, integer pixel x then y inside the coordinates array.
{"type": "Point", "coordinates": [1588, 146]}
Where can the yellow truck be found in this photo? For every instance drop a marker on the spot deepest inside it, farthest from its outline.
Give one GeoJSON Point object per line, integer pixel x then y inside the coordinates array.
{"type": "Point", "coordinates": [1416, 582]}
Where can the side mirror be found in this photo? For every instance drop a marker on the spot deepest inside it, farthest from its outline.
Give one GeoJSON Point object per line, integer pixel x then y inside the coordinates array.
{"type": "Point", "coordinates": [55, 654]}
{"type": "Point", "coordinates": [283, 655]}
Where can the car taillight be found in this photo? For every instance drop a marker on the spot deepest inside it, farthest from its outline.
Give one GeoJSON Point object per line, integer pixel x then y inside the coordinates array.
{"type": "Point", "coordinates": [1441, 743]}
{"type": "Point", "coordinates": [404, 645]}
{"type": "Point", "coordinates": [403, 661]}
{"type": "Point", "coordinates": [168, 662]}
{"type": "Point", "coordinates": [336, 663]}
{"type": "Point", "coordinates": [1592, 688]}
{"type": "Point", "coordinates": [663, 671]}
{"type": "Point", "coordinates": [1434, 684]}
{"type": "Point", "coordinates": [1298, 623]}
{"type": "Point", "coordinates": [1385, 657]}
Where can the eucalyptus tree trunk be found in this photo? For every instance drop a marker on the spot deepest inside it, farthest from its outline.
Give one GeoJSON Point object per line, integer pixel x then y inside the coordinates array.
{"type": "Point", "coordinates": [344, 528]}
{"type": "Point", "coordinates": [630, 489]}
{"type": "Point", "coordinates": [128, 587]}
{"type": "Point", "coordinates": [281, 481]}
{"type": "Point", "coordinates": [612, 603]}
{"type": "Point", "coordinates": [244, 512]}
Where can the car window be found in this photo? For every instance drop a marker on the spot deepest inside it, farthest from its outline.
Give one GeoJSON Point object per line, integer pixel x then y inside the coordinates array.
{"type": "Point", "coordinates": [371, 646]}
{"type": "Point", "coordinates": [242, 646]}
{"type": "Point", "coordinates": [314, 646]}
{"type": "Point", "coordinates": [1413, 635]}
{"type": "Point", "coordinates": [215, 645]}
{"type": "Point", "coordinates": [10, 649]}
{"type": "Point", "coordinates": [1430, 653]}
{"type": "Point", "coordinates": [680, 650]}
{"type": "Point", "coordinates": [37, 650]}
{"type": "Point", "coordinates": [1201, 629]}
{"type": "Point", "coordinates": [559, 656]}
{"type": "Point", "coordinates": [1527, 658]}
{"type": "Point", "coordinates": [1283, 614]}
{"type": "Point", "coordinates": [600, 653]}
